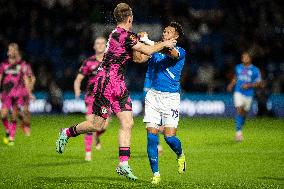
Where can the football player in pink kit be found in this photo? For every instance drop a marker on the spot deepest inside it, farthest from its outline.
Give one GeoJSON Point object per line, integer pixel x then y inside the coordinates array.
{"type": "Point", "coordinates": [12, 73]}
{"type": "Point", "coordinates": [89, 69]}
{"type": "Point", "coordinates": [111, 92]}
{"type": "Point", "coordinates": [24, 100]}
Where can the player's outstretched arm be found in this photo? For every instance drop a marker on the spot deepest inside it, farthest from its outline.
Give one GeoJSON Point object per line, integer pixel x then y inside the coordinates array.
{"type": "Point", "coordinates": [32, 80]}
{"type": "Point", "coordinates": [232, 84]}
{"type": "Point", "coordinates": [28, 86]}
{"type": "Point", "coordinates": [257, 84]}
{"type": "Point", "coordinates": [138, 57]}
{"type": "Point", "coordinates": [77, 85]}
{"type": "Point", "coordinates": [149, 50]}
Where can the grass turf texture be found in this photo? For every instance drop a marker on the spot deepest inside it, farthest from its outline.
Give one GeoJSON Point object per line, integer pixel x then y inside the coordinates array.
{"type": "Point", "coordinates": [214, 160]}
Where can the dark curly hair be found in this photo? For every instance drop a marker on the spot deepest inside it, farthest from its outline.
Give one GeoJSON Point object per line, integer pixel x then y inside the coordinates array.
{"type": "Point", "coordinates": [178, 28]}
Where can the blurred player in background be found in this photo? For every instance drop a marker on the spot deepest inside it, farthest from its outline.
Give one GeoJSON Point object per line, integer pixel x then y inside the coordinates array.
{"type": "Point", "coordinates": [162, 101]}
{"type": "Point", "coordinates": [247, 78]}
{"type": "Point", "coordinates": [24, 99]}
{"type": "Point", "coordinates": [111, 91]}
{"type": "Point", "coordinates": [89, 69]}
{"type": "Point", "coordinates": [13, 72]}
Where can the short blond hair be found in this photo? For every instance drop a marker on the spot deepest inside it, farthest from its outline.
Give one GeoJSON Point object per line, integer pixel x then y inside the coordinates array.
{"type": "Point", "coordinates": [14, 45]}
{"type": "Point", "coordinates": [121, 12]}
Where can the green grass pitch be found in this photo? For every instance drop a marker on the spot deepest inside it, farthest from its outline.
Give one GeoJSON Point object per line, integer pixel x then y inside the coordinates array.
{"type": "Point", "coordinates": [214, 160]}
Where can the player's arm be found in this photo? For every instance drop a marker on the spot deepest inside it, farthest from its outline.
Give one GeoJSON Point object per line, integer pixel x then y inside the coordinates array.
{"type": "Point", "coordinates": [139, 57]}
{"type": "Point", "coordinates": [257, 82]}
{"type": "Point", "coordinates": [149, 50]}
{"type": "Point", "coordinates": [77, 85]}
{"type": "Point", "coordinates": [32, 80]}
{"type": "Point", "coordinates": [232, 84]}
{"type": "Point", "coordinates": [28, 86]}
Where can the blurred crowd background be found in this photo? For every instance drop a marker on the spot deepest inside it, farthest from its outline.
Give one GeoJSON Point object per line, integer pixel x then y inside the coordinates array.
{"type": "Point", "coordinates": [56, 35]}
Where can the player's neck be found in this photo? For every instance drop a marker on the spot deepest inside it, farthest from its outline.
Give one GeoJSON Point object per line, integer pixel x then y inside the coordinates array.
{"type": "Point", "coordinates": [125, 26]}
{"type": "Point", "coordinates": [12, 60]}
{"type": "Point", "coordinates": [99, 56]}
{"type": "Point", "coordinates": [246, 65]}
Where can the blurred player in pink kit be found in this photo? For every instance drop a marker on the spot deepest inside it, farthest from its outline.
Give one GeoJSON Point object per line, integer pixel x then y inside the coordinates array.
{"type": "Point", "coordinates": [13, 73]}
{"type": "Point", "coordinates": [111, 93]}
{"type": "Point", "coordinates": [89, 69]}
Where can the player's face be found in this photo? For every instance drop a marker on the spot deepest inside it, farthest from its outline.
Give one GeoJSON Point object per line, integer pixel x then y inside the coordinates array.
{"type": "Point", "coordinates": [12, 52]}
{"type": "Point", "coordinates": [246, 59]}
{"type": "Point", "coordinates": [169, 33]}
{"type": "Point", "coordinates": [100, 45]}
{"type": "Point", "coordinates": [130, 21]}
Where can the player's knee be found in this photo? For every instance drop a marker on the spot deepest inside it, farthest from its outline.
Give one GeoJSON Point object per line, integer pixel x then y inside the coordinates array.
{"type": "Point", "coordinates": [169, 131]}
{"type": "Point", "coordinates": [127, 124]}
{"type": "Point", "coordinates": [4, 115]}
{"type": "Point", "coordinates": [97, 123]}
{"type": "Point", "coordinates": [26, 113]}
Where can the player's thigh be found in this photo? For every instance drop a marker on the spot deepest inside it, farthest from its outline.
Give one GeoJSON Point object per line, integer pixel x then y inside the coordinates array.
{"type": "Point", "coordinates": [247, 103]}
{"type": "Point", "coordinates": [170, 109]}
{"type": "Point", "coordinates": [4, 112]}
{"type": "Point", "coordinates": [152, 111]}
{"type": "Point", "coordinates": [126, 119]}
{"type": "Point", "coordinates": [6, 101]}
{"type": "Point", "coordinates": [239, 101]}
{"type": "Point", "coordinates": [152, 128]}
{"type": "Point", "coordinates": [121, 100]}
{"type": "Point", "coordinates": [15, 112]}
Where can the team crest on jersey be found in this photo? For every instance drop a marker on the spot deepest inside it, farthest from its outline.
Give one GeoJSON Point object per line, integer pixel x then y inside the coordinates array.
{"type": "Point", "coordinates": [249, 72]}
{"type": "Point", "coordinates": [132, 37]}
{"type": "Point", "coordinates": [104, 110]}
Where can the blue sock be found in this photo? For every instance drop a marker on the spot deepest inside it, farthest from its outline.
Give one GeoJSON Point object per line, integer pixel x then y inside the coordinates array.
{"type": "Point", "coordinates": [152, 150]}
{"type": "Point", "coordinates": [240, 121]}
{"type": "Point", "coordinates": [175, 144]}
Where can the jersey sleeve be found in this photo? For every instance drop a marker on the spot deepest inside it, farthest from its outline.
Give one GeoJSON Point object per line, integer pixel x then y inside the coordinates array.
{"type": "Point", "coordinates": [131, 40]}
{"type": "Point", "coordinates": [181, 53]}
{"type": "Point", "coordinates": [1, 69]}
{"type": "Point", "coordinates": [257, 75]}
{"type": "Point", "coordinates": [84, 69]}
{"type": "Point", "coordinates": [29, 71]}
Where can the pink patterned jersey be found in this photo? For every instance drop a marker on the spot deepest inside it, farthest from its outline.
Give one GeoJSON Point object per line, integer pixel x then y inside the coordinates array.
{"type": "Point", "coordinates": [89, 69]}
{"type": "Point", "coordinates": [12, 77]}
{"type": "Point", "coordinates": [110, 92]}
{"type": "Point", "coordinates": [119, 52]}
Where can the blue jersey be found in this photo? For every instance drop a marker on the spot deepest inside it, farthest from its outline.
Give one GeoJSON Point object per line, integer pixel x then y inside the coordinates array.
{"type": "Point", "coordinates": [245, 75]}
{"type": "Point", "coordinates": [164, 72]}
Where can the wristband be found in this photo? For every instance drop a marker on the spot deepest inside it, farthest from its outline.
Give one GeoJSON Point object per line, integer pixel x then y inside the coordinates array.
{"type": "Point", "coordinates": [147, 41]}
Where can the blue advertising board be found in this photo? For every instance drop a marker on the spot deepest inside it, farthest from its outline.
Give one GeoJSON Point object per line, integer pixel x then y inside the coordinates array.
{"type": "Point", "coordinates": [217, 105]}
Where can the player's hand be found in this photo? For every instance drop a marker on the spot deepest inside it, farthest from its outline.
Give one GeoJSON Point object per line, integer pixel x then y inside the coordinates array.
{"type": "Point", "coordinates": [32, 97]}
{"type": "Point", "coordinates": [170, 43]}
{"type": "Point", "coordinates": [230, 88]}
{"type": "Point", "coordinates": [245, 86]}
{"type": "Point", "coordinates": [142, 34]}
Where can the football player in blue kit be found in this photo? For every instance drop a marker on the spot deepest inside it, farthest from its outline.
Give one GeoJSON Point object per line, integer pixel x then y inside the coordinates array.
{"type": "Point", "coordinates": [162, 101]}
{"type": "Point", "coordinates": [247, 78]}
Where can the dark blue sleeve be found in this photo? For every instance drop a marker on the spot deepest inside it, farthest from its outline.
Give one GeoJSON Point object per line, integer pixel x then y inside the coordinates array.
{"type": "Point", "coordinates": [257, 75]}
{"type": "Point", "coordinates": [181, 52]}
